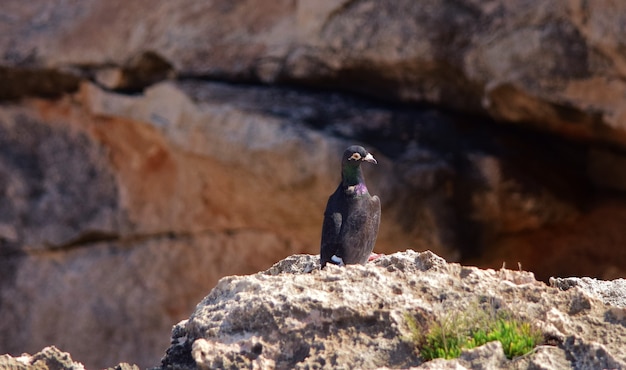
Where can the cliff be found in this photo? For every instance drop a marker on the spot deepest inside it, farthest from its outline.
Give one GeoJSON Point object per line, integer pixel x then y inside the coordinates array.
{"type": "Point", "coordinates": [143, 145]}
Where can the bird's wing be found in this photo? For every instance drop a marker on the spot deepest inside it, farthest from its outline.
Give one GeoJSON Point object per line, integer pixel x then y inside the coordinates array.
{"type": "Point", "coordinates": [373, 222]}
{"type": "Point", "coordinates": [354, 234]}
{"type": "Point", "coordinates": [360, 231]}
{"type": "Point", "coordinates": [331, 229]}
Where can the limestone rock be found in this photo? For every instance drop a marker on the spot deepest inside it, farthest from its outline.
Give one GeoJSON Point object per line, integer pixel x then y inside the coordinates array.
{"type": "Point", "coordinates": [57, 184]}
{"type": "Point", "coordinates": [610, 292]}
{"type": "Point", "coordinates": [111, 295]}
{"type": "Point", "coordinates": [49, 358]}
{"type": "Point", "coordinates": [133, 154]}
{"type": "Point", "coordinates": [124, 366]}
{"type": "Point", "coordinates": [558, 65]}
{"type": "Point", "coordinates": [297, 316]}
{"type": "Point", "coordinates": [168, 183]}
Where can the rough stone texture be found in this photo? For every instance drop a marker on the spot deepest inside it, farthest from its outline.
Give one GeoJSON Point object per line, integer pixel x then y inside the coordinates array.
{"type": "Point", "coordinates": [123, 295]}
{"type": "Point", "coordinates": [57, 182]}
{"type": "Point", "coordinates": [231, 178]}
{"type": "Point", "coordinates": [297, 316]}
{"type": "Point", "coordinates": [610, 292]}
{"type": "Point", "coordinates": [556, 64]}
{"type": "Point", "coordinates": [173, 178]}
{"type": "Point", "coordinates": [49, 358]}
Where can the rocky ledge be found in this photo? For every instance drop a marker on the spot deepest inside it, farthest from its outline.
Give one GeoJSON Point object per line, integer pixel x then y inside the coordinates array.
{"type": "Point", "coordinates": [296, 316]}
{"type": "Point", "coordinates": [50, 358]}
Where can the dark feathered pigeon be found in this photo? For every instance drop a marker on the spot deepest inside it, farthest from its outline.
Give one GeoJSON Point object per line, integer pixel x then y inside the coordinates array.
{"type": "Point", "coordinates": [352, 215]}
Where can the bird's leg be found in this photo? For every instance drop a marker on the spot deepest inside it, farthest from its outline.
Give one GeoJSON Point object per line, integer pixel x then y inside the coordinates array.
{"type": "Point", "coordinates": [374, 256]}
{"type": "Point", "coordinates": [337, 260]}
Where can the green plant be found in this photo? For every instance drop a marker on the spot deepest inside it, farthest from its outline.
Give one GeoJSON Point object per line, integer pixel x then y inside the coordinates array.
{"type": "Point", "coordinates": [444, 339]}
{"type": "Point", "coordinates": [517, 337]}
{"type": "Point", "coordinates": [449, 335]}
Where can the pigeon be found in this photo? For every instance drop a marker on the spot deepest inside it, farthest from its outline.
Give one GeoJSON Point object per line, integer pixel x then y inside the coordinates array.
{"type": "Point", "coordinates": [352, 215]}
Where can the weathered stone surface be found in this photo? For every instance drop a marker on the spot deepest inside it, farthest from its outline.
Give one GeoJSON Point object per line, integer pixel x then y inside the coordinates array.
{"type": "Point", "coordinates": [610, 292]}
{"type": "Point", "coordinates": [123, 294]}
{"type": "Point", "coordinates": [241, 172]}
{"type": "Point", "coordinates": [570, 251]}
{"type": "Point", "coordinates": [297, 316]}
{"type": "Point", "coordinates": [57, 183]}
{"type": "Point", "coordinates": [184, 165]}
{"type": "Point", "coordinates": [558, 65]}
{"type": "Point", "coordinates": [49, 358]}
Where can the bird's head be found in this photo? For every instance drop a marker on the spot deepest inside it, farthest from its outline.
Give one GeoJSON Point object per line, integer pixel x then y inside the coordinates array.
{"type": "Point", "coordinates": [355, 155]}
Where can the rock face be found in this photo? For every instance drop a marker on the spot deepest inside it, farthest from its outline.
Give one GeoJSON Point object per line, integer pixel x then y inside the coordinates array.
{"type": "Point", "coordinates": [558, 65]}
{"type": "Point", "coordinates": [150, 143]}
{"type": "Point", "coordinates": [297, 316]}
{"type": "Point", "coordinates": [174, 184]}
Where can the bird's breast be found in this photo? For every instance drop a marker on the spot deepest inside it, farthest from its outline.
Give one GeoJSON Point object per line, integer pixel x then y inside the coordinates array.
{"type": "Point", "coordinates": [357, 190]}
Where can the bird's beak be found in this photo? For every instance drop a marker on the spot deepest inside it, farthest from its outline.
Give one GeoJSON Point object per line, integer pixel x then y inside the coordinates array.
{"type": "Point", "coordinates": [370, 158]}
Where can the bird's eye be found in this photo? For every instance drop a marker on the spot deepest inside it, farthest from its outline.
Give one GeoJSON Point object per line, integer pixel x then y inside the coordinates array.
{"type": "Point", "coordinates": [355, 157]}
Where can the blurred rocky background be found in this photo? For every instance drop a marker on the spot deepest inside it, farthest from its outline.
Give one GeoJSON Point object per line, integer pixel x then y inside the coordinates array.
{"type": "Point", "coordinates": [148, 148]}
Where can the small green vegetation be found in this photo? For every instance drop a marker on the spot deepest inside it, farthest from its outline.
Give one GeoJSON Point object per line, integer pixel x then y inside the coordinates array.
{"type": "Point", "coordinates": [517, 338]}
{"type": "Point", "coordinates": [454, 332]}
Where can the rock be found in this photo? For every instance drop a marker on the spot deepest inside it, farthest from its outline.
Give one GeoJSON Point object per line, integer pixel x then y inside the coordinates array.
{"type": "Point", "coordinates": [610, 292]}
{"type": "Point", "coordinates": [170, 179]}
{"type": "Point", "coordinates": [293, 316]}
{"type": "Point", "coordinates": [49, 358]}
{"type": "Point", "coordinates": [488, 356]}
{"type": "Point", "coordinates": [58, 184]}
{"type": "Point", "coordinates": [545, 357]}
{"type": "Point", "coordinates": [20, 82]}
{"type": "Point", "coordinates": [110, 294]}
{"type": "Point", "coordinates": [124, 366]}
{"type": "Point", "coordinates": [557, 66]}
{"type": "Point", "coordinates": [605, 169]}
{"type": "Point", "coordinates": [139, 72]}
{"type": "Point", "coordinates": [117, 142]}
